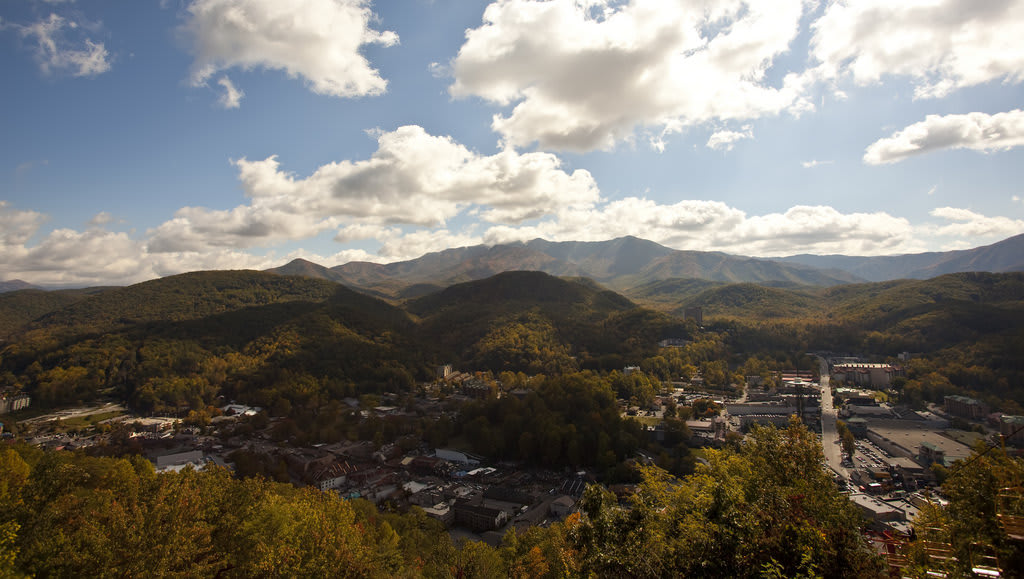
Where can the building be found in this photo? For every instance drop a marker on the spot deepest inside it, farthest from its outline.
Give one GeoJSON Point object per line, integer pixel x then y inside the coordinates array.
{"type": "Point", "coordinates": [456, 457]}
{"type": "Point", "coordinates": [929, 453]}
{"type": "Point", "coordinates": [876, 510]}
{"type": "Point", "coordinates": [478, 518]}
{"type": "Point", "coordinates": [180, 460]}
{"type": "Point", "coordinates": [873, 375]}
{"type": "Point", "coordinates": [1012, 429]}
{"type": "Point", "coordinates": [444, 371]}
{"type": "Point", "coordinates": [858, 427]}
{"type": "Point", "coordinates": [966, 407]}
{"type": "Point", "coordinates": [13, 402]}
{"type": "Point", "coordinates": [442, 512]}
{"type": "Point", "coordinates": [563, 506]}
{"type": "Point", "coordinates": [333, 476]}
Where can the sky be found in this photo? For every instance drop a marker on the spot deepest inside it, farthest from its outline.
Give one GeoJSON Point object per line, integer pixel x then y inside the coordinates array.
{"type": "Point", "coordinates": [148, 138]}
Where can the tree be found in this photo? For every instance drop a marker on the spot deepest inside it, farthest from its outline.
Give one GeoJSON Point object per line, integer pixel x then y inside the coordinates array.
{"type": "Point", "coordinates": [969, 521]}
{"type": "Point", "coordinates": [769, 507]}
{"type": "Point", "coordinates": [846, 438]}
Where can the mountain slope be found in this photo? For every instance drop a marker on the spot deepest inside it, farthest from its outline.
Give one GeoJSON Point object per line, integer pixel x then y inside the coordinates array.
{"type": "Point", "coordinates": [535, 322]}
{"type": "Point", "coordinates": [619, 264]}
{"type": "Point", "coordinates": [15, 285]}
{"type": "Point", "coordinates": [1004, 256]}
{"type": "Point", "coordinates": [18, 308]}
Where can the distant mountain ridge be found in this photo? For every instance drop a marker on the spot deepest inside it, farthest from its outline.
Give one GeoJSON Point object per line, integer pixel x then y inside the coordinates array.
{"type": "Point", "coordinates": [1001, 257]}
{"type": "Point", "coordinates": [15, 285]}
{"type": "Point", "coordinates": [619, 264]}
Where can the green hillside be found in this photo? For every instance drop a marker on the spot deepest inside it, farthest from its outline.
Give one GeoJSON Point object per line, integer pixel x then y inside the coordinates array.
{"type": "Point", "coordinates": [18, 308]}
{"type": "Point", "coordinates": [532, 321]}
{"type": "Point", "coordinates": [186, 296]}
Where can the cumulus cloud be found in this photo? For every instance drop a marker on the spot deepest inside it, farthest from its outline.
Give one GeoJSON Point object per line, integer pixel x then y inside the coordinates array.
{"type": "Point", "coordinates": [16, 226]}
{"type": "Point", "coordinates": [55, 53]}
{"type": "Point", "coordinates": [586, 75]}
{"type": "Point", "coordinates": [231, 98]}
{"type": "Point", "coordinates": [975, 131]}
{"type": "Point", "coordinates": [318, 40]}
{"type": "Point", "coordinates": [726, 140]}
{"type": "Point", "coordinates": [967, 223]}
{"type": "Point", "coordinates": [65, 257]}
{"type": "Point", "coordinates": [714, 226]}
{"type": "Point", "coordinates": [412, 178]}
{"type": "Point", "coordinates": [943, 45]}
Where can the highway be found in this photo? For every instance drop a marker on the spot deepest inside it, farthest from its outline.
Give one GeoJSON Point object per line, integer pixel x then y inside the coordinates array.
{"type": "Point", "coordinates": [829, 437]}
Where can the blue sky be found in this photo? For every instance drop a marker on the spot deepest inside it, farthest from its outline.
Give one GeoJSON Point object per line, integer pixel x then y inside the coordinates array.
{"type": "Point", "coordinates": [142, 139]}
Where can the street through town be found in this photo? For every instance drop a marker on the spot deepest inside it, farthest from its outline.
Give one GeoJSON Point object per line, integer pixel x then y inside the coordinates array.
{"type": "Point", "coordinates": [829, 436]}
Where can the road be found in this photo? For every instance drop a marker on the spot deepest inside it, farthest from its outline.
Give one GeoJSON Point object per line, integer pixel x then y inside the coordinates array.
{"type": "Point", "coordinates": [829, 436]}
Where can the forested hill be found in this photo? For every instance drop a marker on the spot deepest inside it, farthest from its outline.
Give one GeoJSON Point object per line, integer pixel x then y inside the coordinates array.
{"type": "Point", "coordinates": [181, 341]}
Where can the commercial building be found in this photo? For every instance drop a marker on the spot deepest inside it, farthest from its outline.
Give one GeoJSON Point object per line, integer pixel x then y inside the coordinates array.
{"type": "Point", "coordinates": [966, 407]}
{"type": "Point", "coordinates": [1012, 429]}
{"type": "Point", "coordinates": [873, 375]}
{"type": "Point", "coordinates": [13, 402]}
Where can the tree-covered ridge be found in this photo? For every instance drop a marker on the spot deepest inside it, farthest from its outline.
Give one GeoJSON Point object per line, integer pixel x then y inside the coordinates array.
{"type": "Point", "coordinates": [18, 308]}
{"type": "Point", "coordinates": [177, 343]}
{"type": "Point", "coordinates": [185, 297]}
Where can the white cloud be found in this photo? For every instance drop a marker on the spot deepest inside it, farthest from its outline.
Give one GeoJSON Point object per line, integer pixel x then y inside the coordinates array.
{"type": "Point", "coordinates": [100, 219]}
{"type": "Point", "coordinates": [967, 223]}
{"type": "Point", "coordinates": [714, 226]}
{"type": "Point", "coordinates": [231, 98]}
{"type": "Point", "coordinates": [975, 131]}
{"type": "Point", "coordinates": [412, 178]}
{"type": "Point", "coordinates": [586, 75]}
{"type": "Point", "coordinates": [943, 45]}
{"type": "Point", "coordinates": [726, 140]}
{"type": "Point", "coordinates": [319, 40]}
{"type": "Point", "coordinates": [417, 243]}
{"type": "Point", "coordinates": [815, 163]}
{"type": "Point", "coordinates": [98, 256]}
{"type": "Point", "coordinates": [1015, 198]}
{"type": "Point", "coordinates": [16, 227]}
{"type": "Point", "coordinates": [56, 54]}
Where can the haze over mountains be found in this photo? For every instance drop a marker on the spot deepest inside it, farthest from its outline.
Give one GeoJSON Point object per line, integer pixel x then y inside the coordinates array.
{"type": "Point", "coordinates": [630, 262]}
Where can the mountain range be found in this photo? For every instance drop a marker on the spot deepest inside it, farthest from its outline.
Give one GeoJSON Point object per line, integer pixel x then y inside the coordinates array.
{"type": "Point", "coordinates": [629, 262]}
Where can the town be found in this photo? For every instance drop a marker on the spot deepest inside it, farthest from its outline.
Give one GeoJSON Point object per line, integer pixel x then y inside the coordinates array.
{"type": "Point", "coordinates": [888, 459]}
